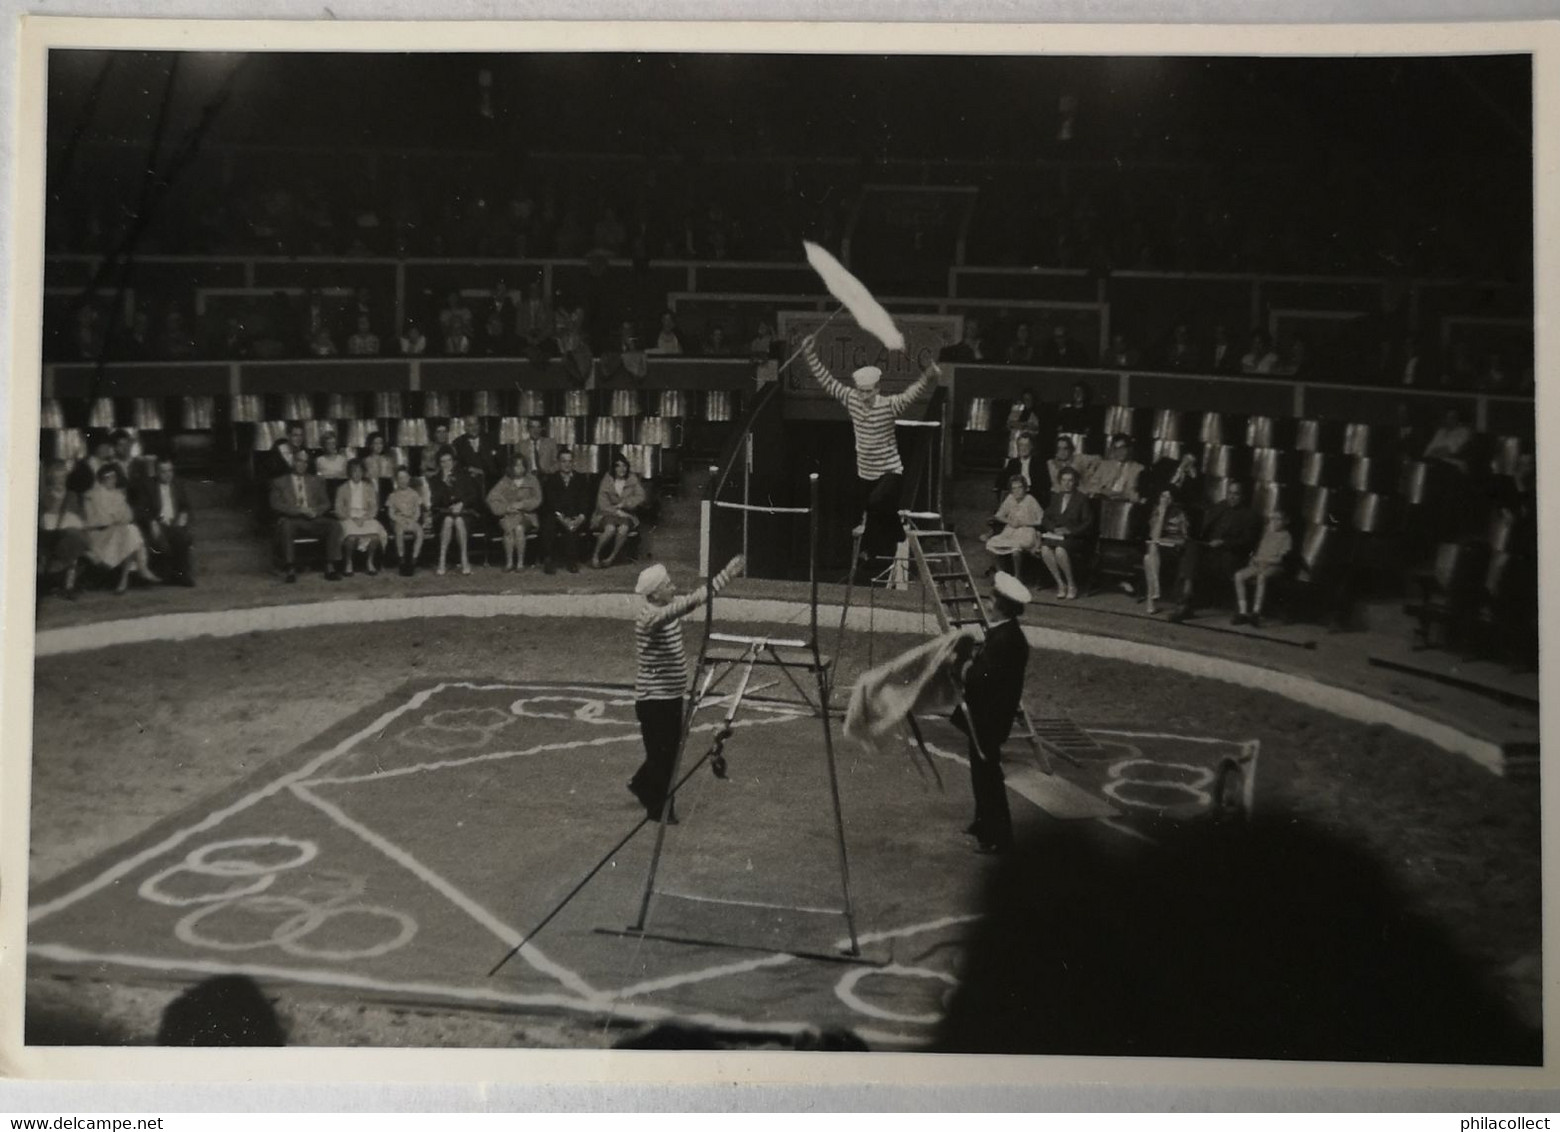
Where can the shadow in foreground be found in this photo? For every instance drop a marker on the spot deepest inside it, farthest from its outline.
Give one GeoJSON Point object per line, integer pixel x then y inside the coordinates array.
{"type": "Point", "coordinates": [1264, 940]}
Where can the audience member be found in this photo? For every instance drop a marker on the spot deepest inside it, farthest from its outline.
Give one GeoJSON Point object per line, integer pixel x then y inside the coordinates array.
{"type": "Point", "coordinates": [1018, 518]}
{"type": "Point", "coordinates": [1023, 420]}
{"type": "Point", "coordinates": [1223, 357]}
{"type": "Point", "coordinates": [762, 344]}
{"type": "Point", "coordinates": [1450, 442]}
{"type": "Point", "coordinates": [1116, 477]}
{"type": "Point", "coordinates": [619, 500]}
{"type": "Point", "coordinates": [405, 508]}
{"type": "Point", "coordinates": [1064, 531]}
{"type": "Point", "coordinates": [1267, 561]}
{"type": "Point", "coordinates": [540, 452]}
{"type": "Point", "coordinates": [476, 453]}
{"type": "Point", "coordinates": [413, 342]}
{"type": "Point", "coordinates": [1066, 457]}
{"type": "Point", "coordinates": [715, 344]}
{"type": "Point", "coordinates": [113, 539]}
{"type": "Point", "coordinates": [1024, 463]}
{"type": "Point", "coordinates": [534, 323]}
{"type": "Point", "coordinates": [515, 500]}
{"type": "Point", "coordinates": [322, 345]}
{"type": "Point", "coordinates": [363, 343]}
{"type": "Point", "coordinates": [970, 347]}
{"type": "Point", "coordinates": [1260, 357]}
{"type": "Point", "coordinates": [162, 510]}
{"type": "Point", "coordinates": [1181, 353]}
{"type": "Point", "coordinates": [456, 496]}
{"type": "Point", "coordinates": [1079, 418]}
{"type": "Point", "coordinates": [1121, 354]}
{"type": "Point", "coordinates": [566, 506]}
{"type": "Point", "coordinates": [100, 454]}
{"type": "Point", "coordinates": [1229, 533]}
{"type": "Point", "coordinates": [302, 509]}
{"type": "Point", "coordinates": [357, 508]}
{"type": "Point", "coordinates": [62, 543]}
{"type": "Point", "coordinates": [455, 317]}
{"type": "Point", "coordinates": [668, 339]}
{"type": "Point", "coordinates": [1173, 485]}
{"type": "Point", "coordinates": [124, 463]}
{"type": "Point", "coordinates": [378, 464]}
{"type": "Point", "coordinates": [1021, 351]}
{"type": "Point", "coordinates": [1061, 351]}
{"type": "Point", "coordinates": [331, 462]}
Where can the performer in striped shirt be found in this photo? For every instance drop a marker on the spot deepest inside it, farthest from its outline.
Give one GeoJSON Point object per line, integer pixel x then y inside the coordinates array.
{"type": "Point", "coordinates": [879, 470]}
{"type": "Point", "coordinates": [662, 676]}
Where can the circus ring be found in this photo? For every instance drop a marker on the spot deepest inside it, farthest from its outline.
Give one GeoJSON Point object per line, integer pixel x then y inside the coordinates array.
{"type": "Point", "coordinates": [458, 761]}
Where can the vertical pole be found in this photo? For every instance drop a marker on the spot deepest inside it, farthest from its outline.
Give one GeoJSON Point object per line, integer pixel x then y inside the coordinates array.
{"type": "Point", "coordinates": [812, 561]}
{"type": "Point", "coordinates": [747, 486]}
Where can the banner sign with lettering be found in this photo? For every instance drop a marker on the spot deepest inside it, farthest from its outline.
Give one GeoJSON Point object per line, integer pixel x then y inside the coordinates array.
{"type": "Point", "coordinates": [845, 347]}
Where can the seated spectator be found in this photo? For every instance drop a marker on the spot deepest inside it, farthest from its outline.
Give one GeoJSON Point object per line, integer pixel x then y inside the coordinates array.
{"type": "Point", "coordinates": [515, 500]}
{"type": "Point", "coordinates": [302, 509]}
{"type": "Point", "coordinates": [413, 342]}
{"type": "Point", "coordinates": [1079, 418]}
{"type": "Point", "coordinates": [1066, 457]}
{"type": "Point", "coordinates": [113, 539]}
{"type": "Point", "coordinates": [322, 345]}
{"type": "Point", "coordinates": [1229, 533]}
{"type": "Point", "coordinates": [1019, 517]}
{"type": "Point", "coordinates": [357, 508]}
{"type": "Point", "coordinates": [1115, 477]}
{"type": "Point", "coordinates": [1450, 441]}
{"type": "Point", "coordinates": [534, 322]}
{"type": "Point", "coordinates": [405, 508]}
{"type": "Point", "coordinates": [1295, 363]}
{"type": "Point", "coordinates": [495, 340]}
{"type": "Point", "coordinates": [363, 343]}
{"type": "Point", "coordinates": [1169, 527]}
{"type": "Point", "coordinates": [540, 452]}
{"type": "Point", "coordinates": [1181, 354]}
{"type": "Point", "coordinates": [668, 339]}
{"type": "Point", "coordinates": [970, 347]}
{"type": "Point", "coordinates": [124, 462]}
{"type": "Point", "coordinates": [1021, 351]}
{"type": "Point", "coordinates": [1267, 561]}
{"type": "Point", "coordinates": [566, 507]}
{"type": "Point", "coordinates": [619, 500]}
{"type": "Point", "coordinates": [1260, 357]}
{"type": "Point", "coordinates": [1023, 420]}
{"type": "Point", "coordinates": [455, 497]}
{"type": "Point", "coordinates": [477, 454]}
{"type": "Point", "coordinates": [1023, 463]}
{"type": "Point", "coordinates": [457, 342]}
{"type": "Point", "coordinates": [331, 463]}
{"type": "Point", "coordinates": [83, 477]}
{"type": "Point", "coordinates": [455, 316]}
{"type": "Point", "coordinates": [62, 543]}
{"type": "Point", "coordinates": [378, 464]}
{"type": "Point", "coordinates": [1064, 531]}
{"type": "Point", "coordinates": [1061, 351]}
{"type": "Point", "coordinates": [715, 344]}
{"type": "Point", "coordinates": [162, 510]}
{"type": "Point", "coordinates": [762, 344]}
{"type": "Point", "coordinates": [1223, 357]}
{"type": "Point", "coordinates": [1121, 354]}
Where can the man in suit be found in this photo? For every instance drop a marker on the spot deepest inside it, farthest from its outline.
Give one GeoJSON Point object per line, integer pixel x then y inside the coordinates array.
{"type": "Point", "coordinates": [993, 688]}
{"type": "Point", "coordinates": [970, 347]}
{"type": "Point", "coordinates": [1117, 476]}
{"type": "Point", "coordinates": [1061, 351]}
{"type": "Point", "coordinates": [540, 452]}
{"type": "Point", "coordinates": [1230, 531]}
{"type": "Point", "coordinates": [1025, 464]}
{"type": "Point", "coordinates": [162, 510]}
{"type": "Point", "coordinates": [129, 468]}
{"type": "Point", "coordinates": [302, 509]}
{"type": "Point", "coordinates": [477, 454]}
{"type": "Point", "coordinates": [566, 508]}
{"type": "Point", "coordinates": [1223, 356]}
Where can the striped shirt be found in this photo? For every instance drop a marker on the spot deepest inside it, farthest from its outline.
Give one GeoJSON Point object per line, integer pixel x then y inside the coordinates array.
{"type": "Point", "coordinates": [877, 451]}
{"type": "Point", "coordinates": [658, 643]}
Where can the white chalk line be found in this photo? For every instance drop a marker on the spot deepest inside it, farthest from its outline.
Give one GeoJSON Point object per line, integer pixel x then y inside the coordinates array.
{"type": "Point", "coordinates": [506, 934]}
{"type": "Point", "coordinates": [778, 959]}
{"type": "Point", "coordinates": [913, 929]}
{"type": "Point", "coordinates": [217, 817]}
{"type": "Point", "coordinates": [1162, 735]}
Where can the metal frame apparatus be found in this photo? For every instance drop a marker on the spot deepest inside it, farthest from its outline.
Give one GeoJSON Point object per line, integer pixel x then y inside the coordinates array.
{"type": "Point", "coordinates": [721, 655]}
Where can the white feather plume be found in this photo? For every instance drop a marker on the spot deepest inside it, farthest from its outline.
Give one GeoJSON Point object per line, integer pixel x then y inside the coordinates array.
{"type": "Point", "coordinates": [845, 287]}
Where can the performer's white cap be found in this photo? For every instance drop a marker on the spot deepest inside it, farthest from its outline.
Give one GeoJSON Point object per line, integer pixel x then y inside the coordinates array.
{"type": "Point", "coordinates": [867, 376]}
{"type": "Point", "coordinates": [650, 579]}
{"type": "Point", "coordinates": [1011, 588]}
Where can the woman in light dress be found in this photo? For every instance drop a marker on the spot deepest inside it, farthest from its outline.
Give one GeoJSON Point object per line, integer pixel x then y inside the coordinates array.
{"type": "Point", "coordinates": [61, 541]}
{"type": "Point", "coordinates": [113, 539]}
{"type": "Point", "coordinates": [357, 508]}
{"type": "Point", "coordinates": [1019, 515]}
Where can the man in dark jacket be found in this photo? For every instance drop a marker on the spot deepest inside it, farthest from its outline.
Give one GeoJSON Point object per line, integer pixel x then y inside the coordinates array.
{"type": "Point", "coordinates": [162, 510]}
{"type": "Point", "coordinates": [993, 688]}
{"type": "Point", "coordinates": [566, 508]}
{"type": "Point", "coordinates": [1230, 531]}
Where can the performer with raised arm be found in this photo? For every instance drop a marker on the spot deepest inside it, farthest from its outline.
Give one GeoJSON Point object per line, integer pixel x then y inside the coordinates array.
{"type": "Point", "coordinates": [661, 680]}
{"type": "Point", "coordinates": [879, 470]}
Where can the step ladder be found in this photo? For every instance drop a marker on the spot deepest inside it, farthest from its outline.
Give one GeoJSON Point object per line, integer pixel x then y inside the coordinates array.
{"type": "Point", "coordinates": [945, 575]}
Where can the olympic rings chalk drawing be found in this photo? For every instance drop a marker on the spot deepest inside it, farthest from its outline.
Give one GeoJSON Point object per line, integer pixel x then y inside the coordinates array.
{"type": "Point", "coordinates": [1149, 782]}
{"type": "Point", "coordinates": [845, 990]}
{"type": "Point", "coordinates": [316, 901]}
{"type": "Point", "coordinates": [456, 729]}
{"type": "Point", "coordinates": [587, 710]}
